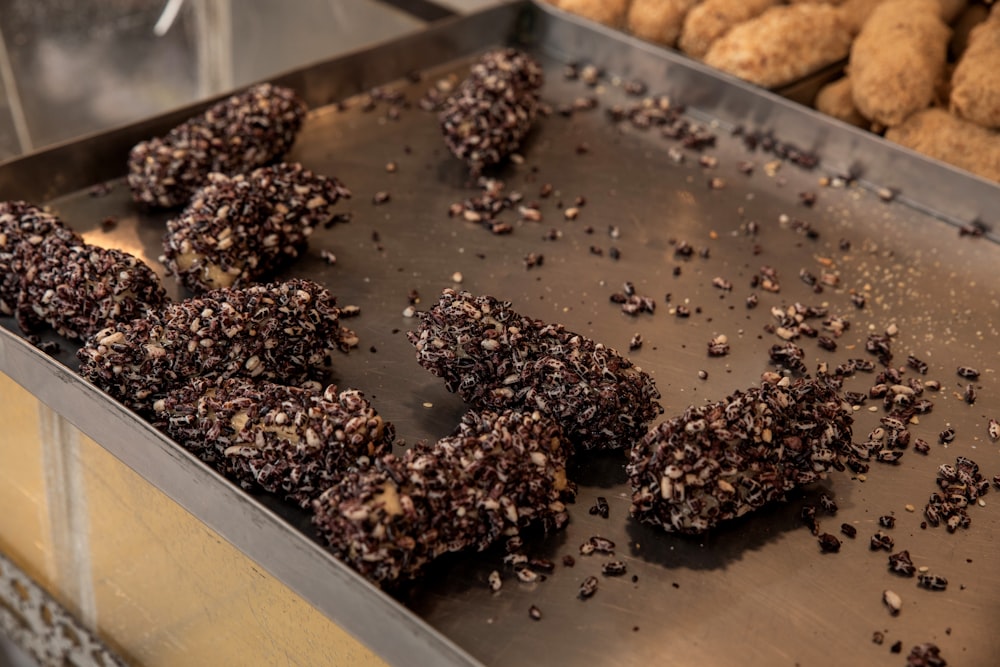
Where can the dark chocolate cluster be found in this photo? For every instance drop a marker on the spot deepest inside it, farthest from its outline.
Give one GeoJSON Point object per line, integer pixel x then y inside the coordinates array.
{"type": "Point", "coordinates": [497, 474]}
{"type": "Point", "coordinates": [497, 359]}
{"type": "Point", "coordinates": [291, 441]}
{"type": "Point", "coordinates": [491, 112]}
{"type": "Point", "coordinates": [281, 332]}
{"type": "Point", "coordinates": [721, 460]}
{"type": "Point", "coordinates": [236, 135]}
{"type": "Point", "coordinates": [50, 276]}
{"type": "Point", "coordinates": [239, 229]}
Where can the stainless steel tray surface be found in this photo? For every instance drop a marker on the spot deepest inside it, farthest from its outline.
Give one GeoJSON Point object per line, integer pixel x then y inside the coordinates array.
{"type": "Point", "coordinates": [755, 592]}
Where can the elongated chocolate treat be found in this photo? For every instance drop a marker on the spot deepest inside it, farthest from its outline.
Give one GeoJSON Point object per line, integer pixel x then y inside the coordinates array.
{"type": "Point", "coordinates": [493, 109]}
{"type": "Point", "coordinates": [721, 460]}
{"type": "Point", "coordinates": [241, 228]}
{"type": "Point", "coordinates": [495, 358]}
{"type": "Point", "coordinates": [497, 474]}
{"type": "Point", "coordinates": [295, 442]}
{"type": "Point", "coordinates": [281, 332]}
{"type": "Point", "coordinates": [242, 132]}
{"type": "Point", "coordinates": [23, 223]}
{"type": "Point", "coordinates": [79, 289]}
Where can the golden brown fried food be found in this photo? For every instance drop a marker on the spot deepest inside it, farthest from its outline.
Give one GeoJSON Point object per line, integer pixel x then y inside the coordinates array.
{"type": "Point", "coordinates": [897, 59]}
{"type": "Point", "coordinates": [608, 12]}
{"type": "Point", "coordinates": [950, 9]}
{"type": "Point", "coordinates": [658, 20]}
{"type": "Point", "coordinates": [960, 31]}
{"type": "Point", "coordinates": [834, 99]}
{"type": "Point", "coordinates": [948, 138]}
{"type": "Point", "coordinates": [714, 18]}
{"type": "Point", "coordinates": [856, 12]}
{"type": "Point", "coordinates": [783, 44]}
{"type": "Point", "coordinates": [975, 86]}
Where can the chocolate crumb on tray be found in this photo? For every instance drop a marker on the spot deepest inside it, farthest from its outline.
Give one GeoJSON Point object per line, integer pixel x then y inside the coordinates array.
{"type": "Point", "coordinates": [282, 332]}
{"type": "Point", "coordinates": [497, 474]}
{"type": "Point", "coordinates": [496, 358]}
{"type": "Point", "coordinates": [295, 442]}
{"type": "Point", "coordinates": [493, 109]}
{"type": "Point", "coordinates": [721, 460]}
{"type": "Point", "coordinates": [245, 131]}
{"type": "Point", "coordinates": [241, 228]}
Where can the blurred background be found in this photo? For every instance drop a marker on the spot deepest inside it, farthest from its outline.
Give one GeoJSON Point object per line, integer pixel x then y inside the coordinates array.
{"type": "Point", "coordinates": [72, 67]}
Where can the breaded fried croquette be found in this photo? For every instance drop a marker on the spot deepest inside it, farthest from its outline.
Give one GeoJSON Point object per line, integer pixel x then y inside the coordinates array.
{"type": "Point", "coordinates": [783, 44]}
{"type": "Point", "coordinates": [975, 85]}
{"type": "Point", "coordinates": [834, 99]}
{"type": "Point", "coordinates": [78, 289]}
{"type": "Point", "coordinates": [856, 12]}
{"type": "Point", "coordinates": [714, 18]}
{"type": "Point", "coordinates": [960, 31]}
{"type": "Point", "coordinates": [951, 9]}
{"type": "Point", "coordinates": [608, 12]}
{"type": "Point", "coordinates": [22, 223]}
{"type": "Point", "coordinates": [239, 229]}
{"type": "Point", "coordinates": [897, 60]}
{"type": "Point", "coordinates": [948, 138]}
{"type": "Point", "coordinates": [658, 21]}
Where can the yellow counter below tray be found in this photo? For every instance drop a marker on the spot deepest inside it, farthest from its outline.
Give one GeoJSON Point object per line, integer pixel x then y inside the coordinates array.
{"type": "Point", "coordinates": [153, 581]}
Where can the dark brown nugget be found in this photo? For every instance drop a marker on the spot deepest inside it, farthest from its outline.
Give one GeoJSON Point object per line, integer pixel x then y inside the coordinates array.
{"type": "Point", "coordinates": [493, 108]}
{"type": "Point", "coordinates": [281, 332]}
{"type": "Point", "coordinates": [495, 358]}
{"type": "Point", "coordinates": [295, 442]}
{"type": "Point", "coordinates": [498, 473]}
{"type": "Point", "coordinates": [237, 230]}
{"type": "Point", "coordinates": [242, 132]}
{"type": "Point", "coordinates": [23, 223]}
{"type": "Point", "coordinates": [722, 460]}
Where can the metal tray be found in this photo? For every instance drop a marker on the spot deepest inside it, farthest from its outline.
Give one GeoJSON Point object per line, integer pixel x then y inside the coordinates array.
{"type": "Point", "coordinates": [756, 592]}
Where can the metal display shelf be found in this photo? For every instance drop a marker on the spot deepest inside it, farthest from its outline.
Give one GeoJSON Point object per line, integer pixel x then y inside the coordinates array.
{"type": "Point", "coordinates": [756, 592]}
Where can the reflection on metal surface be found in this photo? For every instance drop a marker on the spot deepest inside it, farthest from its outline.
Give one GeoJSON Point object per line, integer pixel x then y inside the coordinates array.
{"type": "Point", "coordinates": [70, 69]}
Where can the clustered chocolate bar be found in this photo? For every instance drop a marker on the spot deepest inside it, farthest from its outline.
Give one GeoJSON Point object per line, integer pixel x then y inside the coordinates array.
{"type": "Point", "coordinates": [493, 109]}
{"type": "Point", "coordinates": [721, 460]}
{"type": "Point", "coordinates": [294, 442]}
{"type": "Point", "coordinates": [50, 276]}
{"type": "Point", "coordinates": [497, 359]}
{"type": "Point", "coordinates": [239, 229]}
{"type": "Point", "coordinates": [497, 474]}
{"type": "Point", "coordinates": [245, 131]}
{"type": "Point", "coordinates": [281, 332]}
